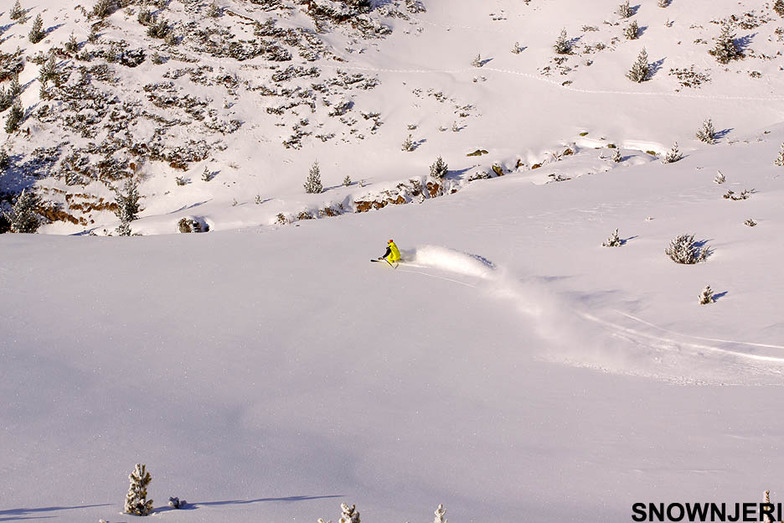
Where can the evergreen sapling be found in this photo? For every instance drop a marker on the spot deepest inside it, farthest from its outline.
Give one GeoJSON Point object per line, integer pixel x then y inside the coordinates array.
{"type": "Point", "coordinates": [37, 32]}
{"type": "Point", "coordinates": [24, 217]}
{"type": "Point", "coordinates": [440, 513]}
{"type": "Point", "coordinates": [673, 155]}
{"type": "Point", "coordinates": [641, 70]}
{"type": "Point", "coordinates": [779, 161]}
{"type": "Point", "coordinates": [313, 181]}
{"type": "Point", "coordinates": [706, 296]}
{"type": "Point", "coordinates": [14, 118]}
{"type": "Point", "coordinates": [136, 502]}
{"type": "Point", "coordinates": [128, 206]}
{"type": "Point", "coordinates": [625, 10]}
{"type": "Point", "coordinates": [707, 133]}
{"type": "Point", "coordinates": [726, 49]}
{"type": "Point", "coordinates": [563, 45]}
{"type": "Point", "coordinates": [613, 241]}
{"type": "Point", "coordinates": [439, 169]}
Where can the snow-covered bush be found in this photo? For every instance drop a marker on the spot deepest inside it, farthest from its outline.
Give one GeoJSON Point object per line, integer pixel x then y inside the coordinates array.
{"type": "Point", "coordinates": [563, 45]}
{"type": "Point", "coordinates": [744, 195]}
{"type": "Point", "coordinates": [347, 181]}
{"type": "Point", "coordinates": [517, 49]}
{"type": "Point", "coordinates": [617, 157]}
{"type": "Point", "coordinates": [37, 32]}
{"type": "Point", "coordinates": [145, 17]}
{"type": "Point", "coordinates": [641, 69]}
{"type": "Point", "coordinates": [706, 296]}
{"type": "Point", "coordinates": [673, 155]}
{"type": "Point", "coordinates": [177, 503]}
{"type": "Point", "coordinates": [477, 61]}
{"type": "Point", "coordinates": [350, 514]}
{"type": "Point", "coordinates": [683, 249]}
{"type": "Point", "coordinates": [214, 11]}
{"type": "Point", "coordinates": [5, 160]}
{"type": "Point", "coordinates": [313, 181]}
{"type": "Point", "coordinates": [408, 144]}
{"type": "Point", "coordinates": [207, 175]}
{"type": "Point", "coordinates": [750, 222]}
{"type": "Point", "coordinates": [780, 158]}
{"type": "Point", "coordinates": [127, 206]}
{"type": "Point", "coordinates": [625, 10]}
{"type": "Point", "coordinates": [189, 225]}
{"type": "Point", "coordinates": [613, 241]}
{"type": "Point", "coordinates": [24, 217]}
{"type": "Point", "coordinates": [632, 30]}
{"type": "Point", "coordinates": [14, 118]}
{"type": "Point", "coordinates": [720, 178]}
{"type": "Point", "coordinates": [440, 513]}
{"type": "Point", "coordinates": [136, 501]}
{"type": "Point", "coordinates": [663, 3]}
{"type": "Point", "coordinates": [726, 48]}
{"type": "Point", "coordinates": [439, 168]}
{"type": "Point", "coordinates": [707, 133]}
{"type": "Point", "coordinates": [159, 29]}
{"type": "Point", "coordinates": [778, 6]}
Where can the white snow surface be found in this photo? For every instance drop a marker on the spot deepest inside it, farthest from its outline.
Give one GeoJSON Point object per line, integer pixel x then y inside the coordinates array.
{"type": "Point", "coordinates": [511, 367]}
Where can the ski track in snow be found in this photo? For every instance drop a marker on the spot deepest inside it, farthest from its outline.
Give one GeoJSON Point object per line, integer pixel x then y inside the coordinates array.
{"type": "Point", "coordinates": [569, 329]}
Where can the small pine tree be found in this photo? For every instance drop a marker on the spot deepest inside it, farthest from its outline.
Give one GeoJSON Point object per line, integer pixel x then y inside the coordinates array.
{"type": "Point", "coordinates": [350, 514]}
{"type": "Point", "coordinates": [641, 70]}
{"type": "Point", "coordinates": [127, 206]}
{"type": "Point", "coordinates": [313, 181]}
{"type": "Point", "coordinates": [347, 181]}
{"type": "Point", "coordinates": [673, 155]}
{"type": "Point", "coordinates": [145, 17]}
{"type": "Point", "coordinates": [104, 8]}
{"type": "Point", "coordinates": [632, 30]}
{"type": "Point", "coordinates": [440, 513]}
{"type": "Point", "coordinates": [563, 45]}
{"type": "Point", "coordinates": [779, 161]}
{"type": "Point", "coordinates": [439, 168]}
{"type": "Point", "coordinates": [14, 118]}
{"type": "Point", "coordinates": [24, 217]}
{"type": "Point", "coordinates": [663, 3]}
{"type": "Point", "coordinates": [617, 157]}
{"type": "Point", "coordinates": [136, 501]}
{"type": "Point", "coordinates": [613, 241]}
{"type": "Point", "coordinates": [707, 133]}
{"type": "Point", "coordinates": [17, 13]}
{"type": "Point", "coordinates": [726, 49]}
{"type": "Point", "coordinates": [625, 10]}
{"type": "Point", "coordinates": [477, 61]}
{"type": "Point", "coordinates": [5, 160]}
{"type": "Point", "coordinates": [778, 6]}
{"type": "Point", "coordinates": [48, 71]}
{"type": "Point", "coordinates": [37, 32]}
{"type": "Point", "coordinates": [408, 144]}
{"type": "Point", "coordinates": [706, 296]}
{"type": "Point", "coordinates": [719, 178]}
{"type": "Point", "coordinates": [72, 45]}
{"type": "Point", "coordinates": [5, 99]}
{"type": "Point", "coordinates": [683, 249]}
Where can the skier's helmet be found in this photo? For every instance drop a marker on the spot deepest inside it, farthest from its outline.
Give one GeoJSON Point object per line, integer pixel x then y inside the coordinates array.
{"type": "Point", "coordinates": [390, 241]}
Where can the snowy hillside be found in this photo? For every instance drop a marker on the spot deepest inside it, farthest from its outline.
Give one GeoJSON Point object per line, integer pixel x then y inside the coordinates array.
{"type": "Point", "coordinates": [222, 117]}
{"type": "Point", "coordinates": [523, 363]}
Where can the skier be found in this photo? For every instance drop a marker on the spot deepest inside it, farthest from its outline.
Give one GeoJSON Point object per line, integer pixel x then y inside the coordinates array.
{"type": "Point", "coordinates": [392, 255]}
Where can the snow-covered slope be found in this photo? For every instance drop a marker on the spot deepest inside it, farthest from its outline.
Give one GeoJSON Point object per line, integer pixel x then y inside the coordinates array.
{"type": "Point", "coordinates": [255, 94]}
{"type": "Point", "coordinates": [512, 368]}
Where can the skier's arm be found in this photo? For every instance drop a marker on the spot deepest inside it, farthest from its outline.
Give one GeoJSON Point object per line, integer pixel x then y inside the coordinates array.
{"type": "Point", "coordinates": [389, 251]}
